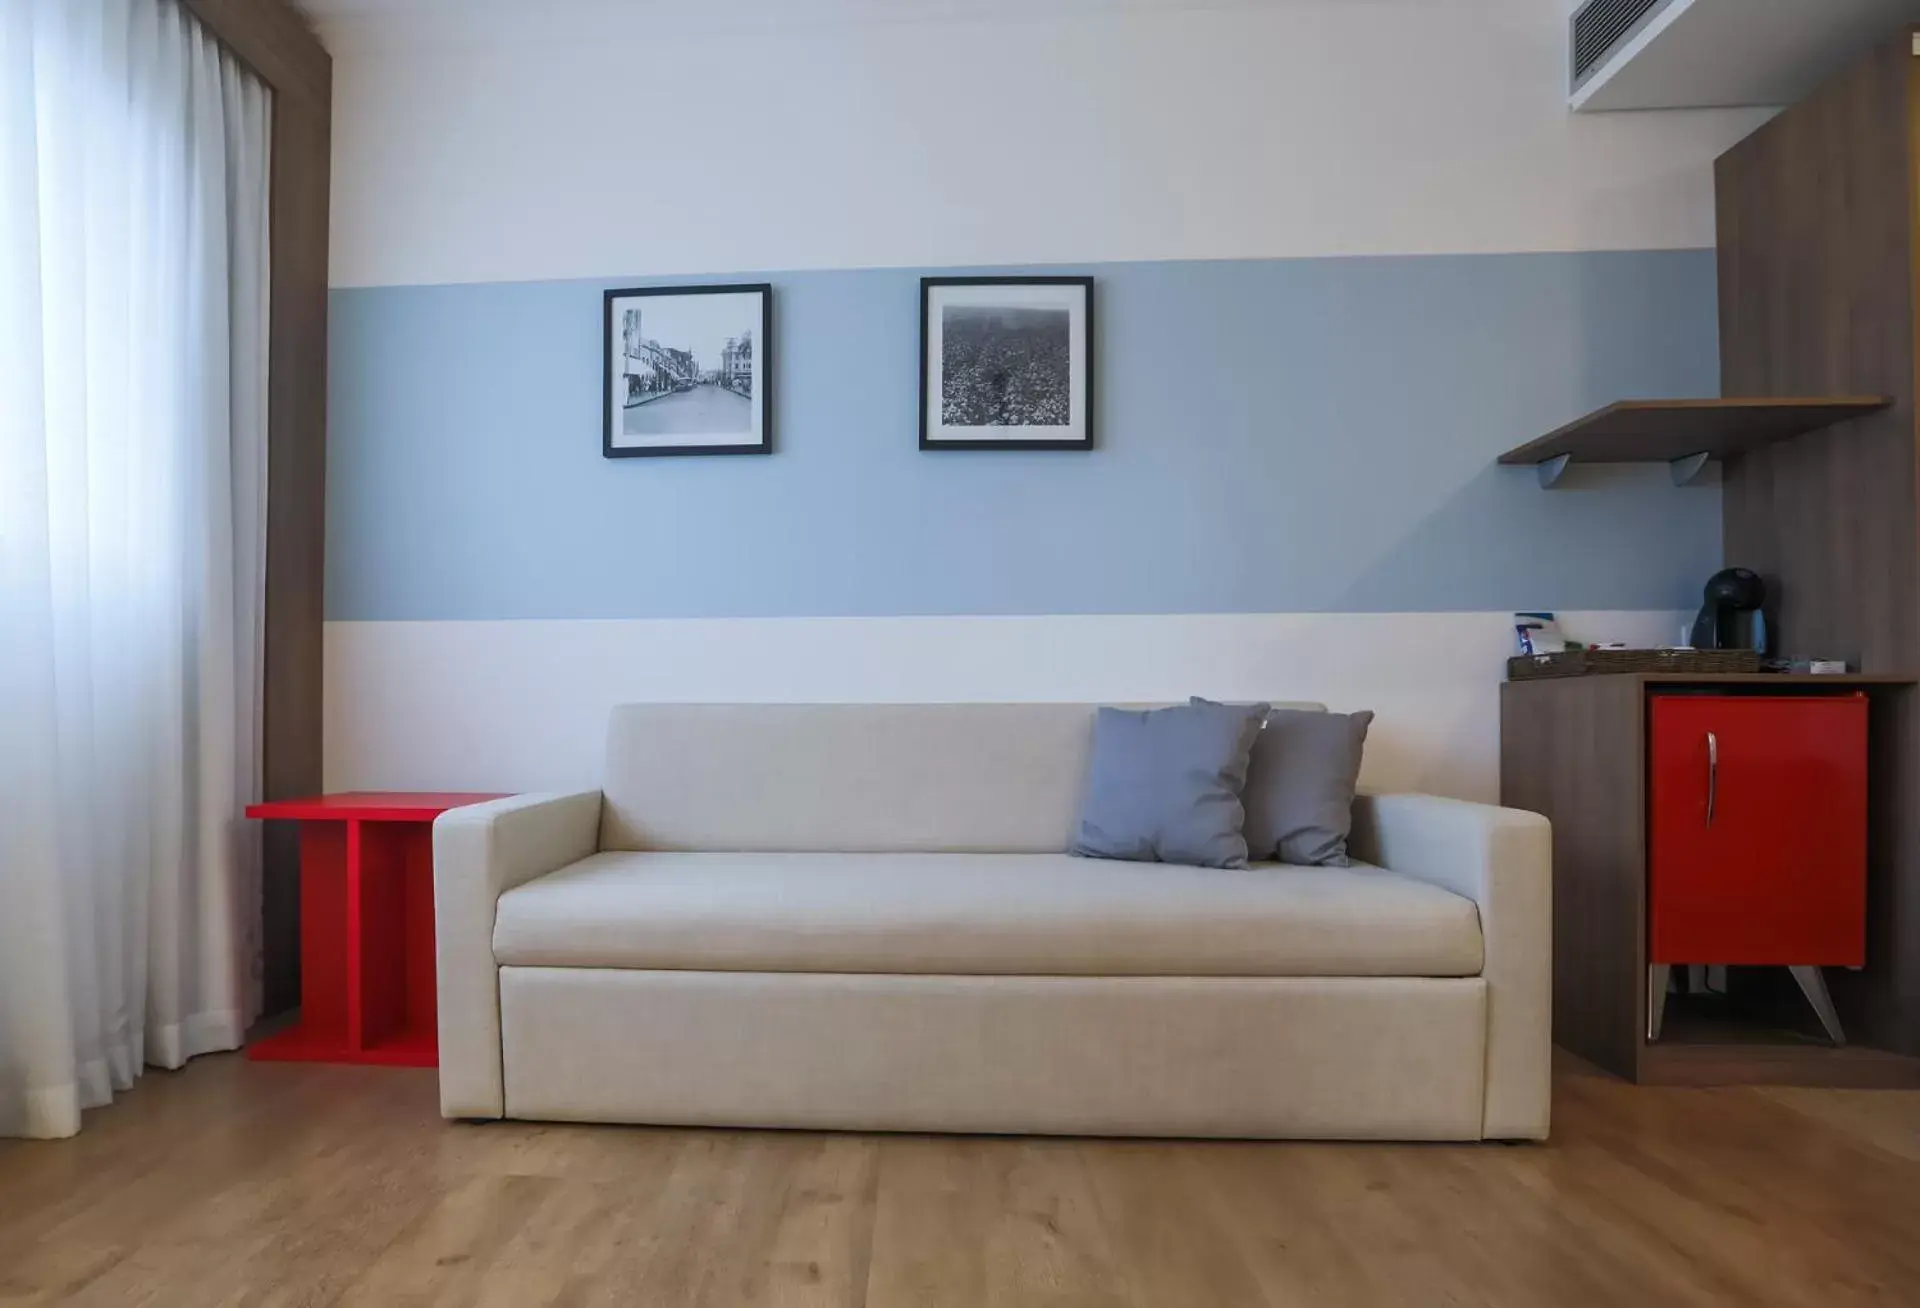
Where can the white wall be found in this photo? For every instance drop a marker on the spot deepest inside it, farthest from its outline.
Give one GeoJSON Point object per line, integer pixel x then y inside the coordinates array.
{"type": "Point", "coordinates": [523, 705]}
{"type": "Point", "coordinates": [492, 141]}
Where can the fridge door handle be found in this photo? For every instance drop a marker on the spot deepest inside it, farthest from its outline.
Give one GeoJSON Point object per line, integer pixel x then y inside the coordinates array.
{"type": "Point", "coordinates": [1713, 773]}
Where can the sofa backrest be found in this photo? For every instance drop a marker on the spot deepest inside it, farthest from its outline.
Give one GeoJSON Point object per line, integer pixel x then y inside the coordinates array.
{"type": "Point", "coordinates": [852, 777]}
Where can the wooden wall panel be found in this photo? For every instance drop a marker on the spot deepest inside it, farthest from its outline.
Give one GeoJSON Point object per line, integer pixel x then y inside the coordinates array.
{"type": "Point", "coordinates": [273, 39]}
{"type": "Point", "coordinates": [1816, 269]}
{"type": "Point", "coordinates": [1572, 749]}
{"type": "Point", "coordinates": [296, 512]}
{"type": "Point", "coordinates": [1817, 265]}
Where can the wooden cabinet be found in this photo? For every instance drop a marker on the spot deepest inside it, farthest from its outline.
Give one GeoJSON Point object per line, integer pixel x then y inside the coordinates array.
{"type": "Point", "coordinates": [1707, 819]}
{"type": "Point", "coordinates": [1757, 829]}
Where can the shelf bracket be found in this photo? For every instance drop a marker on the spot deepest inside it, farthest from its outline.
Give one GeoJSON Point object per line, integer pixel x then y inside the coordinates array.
{"type": "Point", "coordinates": [1549, 470]}
{"type": "Point", "coordinates": [1688, 467]}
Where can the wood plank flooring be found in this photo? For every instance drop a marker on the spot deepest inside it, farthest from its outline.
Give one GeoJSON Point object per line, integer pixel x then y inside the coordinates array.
{"type": "Point", "coordinates": [239, 1183]}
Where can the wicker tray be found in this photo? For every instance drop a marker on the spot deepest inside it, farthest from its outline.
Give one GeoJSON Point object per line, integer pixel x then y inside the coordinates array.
{"type": "Point", "coordinates": [1597, 662]}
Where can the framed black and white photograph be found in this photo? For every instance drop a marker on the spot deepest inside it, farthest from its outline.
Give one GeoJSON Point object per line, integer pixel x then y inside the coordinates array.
{"type": "Point", "coordinates": [688, 369]}
{"type": "Point", "coordinates": [1006, 363]}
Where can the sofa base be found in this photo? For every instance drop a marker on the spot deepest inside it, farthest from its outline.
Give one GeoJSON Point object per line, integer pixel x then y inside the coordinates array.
{"type": "Point", "coordinates": [1281, 1057]}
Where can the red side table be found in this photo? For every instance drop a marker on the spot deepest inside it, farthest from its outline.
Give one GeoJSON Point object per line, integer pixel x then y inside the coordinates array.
{"type": "Point", "coordinates": [366, 928]}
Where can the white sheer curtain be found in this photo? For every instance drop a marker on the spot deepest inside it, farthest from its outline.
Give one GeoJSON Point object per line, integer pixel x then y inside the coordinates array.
{"type": "Point", "coordinates": [133, 405]}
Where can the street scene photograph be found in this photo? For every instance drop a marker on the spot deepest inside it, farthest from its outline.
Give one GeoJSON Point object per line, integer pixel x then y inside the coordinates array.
{"type": "Point", "coordinates": [685, 369]}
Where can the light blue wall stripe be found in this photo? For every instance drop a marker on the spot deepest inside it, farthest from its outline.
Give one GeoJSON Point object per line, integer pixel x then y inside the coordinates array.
{"type": "Point", "coordinates": [1275, 436]}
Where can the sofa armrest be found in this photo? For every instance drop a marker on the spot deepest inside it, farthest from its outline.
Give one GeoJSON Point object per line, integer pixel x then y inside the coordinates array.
{"type": "Point", "coordinates": [1501, 859]}
{"type": "Point", "coordinates": [479, 853]}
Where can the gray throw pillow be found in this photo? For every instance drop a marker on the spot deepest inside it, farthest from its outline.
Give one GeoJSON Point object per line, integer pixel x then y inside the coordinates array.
{"type": "Point", "coordinates": [1300, 785]}
{"type": "Point", "coordinates": [1164, 784]}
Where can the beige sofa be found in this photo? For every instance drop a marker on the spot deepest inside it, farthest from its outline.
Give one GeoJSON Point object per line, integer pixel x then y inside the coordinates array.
{"type": "Point", "coordinates": [861, 917]}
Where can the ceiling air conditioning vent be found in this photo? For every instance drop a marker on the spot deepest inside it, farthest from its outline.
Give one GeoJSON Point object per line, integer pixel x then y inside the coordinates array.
{"type": "Point", "coordinates": [1700, 54]}
{"type": "Point", "coordinates": [1602, 26]}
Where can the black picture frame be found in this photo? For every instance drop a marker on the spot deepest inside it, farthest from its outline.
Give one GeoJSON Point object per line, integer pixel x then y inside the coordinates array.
{"type": "Point", "coordinates": [761, 384]}
{"type": "Point", "coordinates": [1084, 365]}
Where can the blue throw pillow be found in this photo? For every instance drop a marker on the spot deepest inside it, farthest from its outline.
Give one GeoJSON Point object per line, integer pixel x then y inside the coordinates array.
{"type": "Point", "coordinates": [1164, 784]}
{"type": "Point", "coordinates": [1301, 780]}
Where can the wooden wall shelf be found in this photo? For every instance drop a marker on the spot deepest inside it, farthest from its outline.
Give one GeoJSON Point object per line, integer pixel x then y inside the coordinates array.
{"type": "Point", "coordinates": [1684, 433]}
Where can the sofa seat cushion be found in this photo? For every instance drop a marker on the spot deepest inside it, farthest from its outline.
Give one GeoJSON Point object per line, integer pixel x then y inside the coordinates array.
{"type": "Point", "coordinates": [982, 914]}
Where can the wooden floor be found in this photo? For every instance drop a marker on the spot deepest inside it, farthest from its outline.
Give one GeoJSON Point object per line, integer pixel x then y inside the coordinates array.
{"type": "Point", "coordinates": [235, 1183]}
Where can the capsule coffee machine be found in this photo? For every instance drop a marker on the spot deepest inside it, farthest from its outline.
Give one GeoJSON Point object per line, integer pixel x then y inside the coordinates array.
{"type": "Point", "coordinates": [1731, 617]}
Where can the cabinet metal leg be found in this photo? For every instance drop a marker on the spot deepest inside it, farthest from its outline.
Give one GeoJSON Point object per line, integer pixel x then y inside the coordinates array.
{"type": "Point", "coordinates": [1814, 986]}
{"type": "Point", "coordinates": [1657, 974]}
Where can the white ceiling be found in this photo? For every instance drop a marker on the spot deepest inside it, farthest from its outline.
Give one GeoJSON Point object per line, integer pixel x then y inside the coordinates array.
{"type": "Point", "coordinates": [824, 8]}
{"type": "Point", "coordinates": [456, 17]}
{"type": "Point", "coordinates": [570, 12]}
{"type": "Point", "coordinates": [1698, 54]}
{"type": "Point", "coordinates": [374, 27]}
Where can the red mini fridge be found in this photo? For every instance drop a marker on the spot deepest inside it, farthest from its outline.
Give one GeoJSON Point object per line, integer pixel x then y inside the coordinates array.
{"type": "Point", "coordinates": [1757, 818]}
